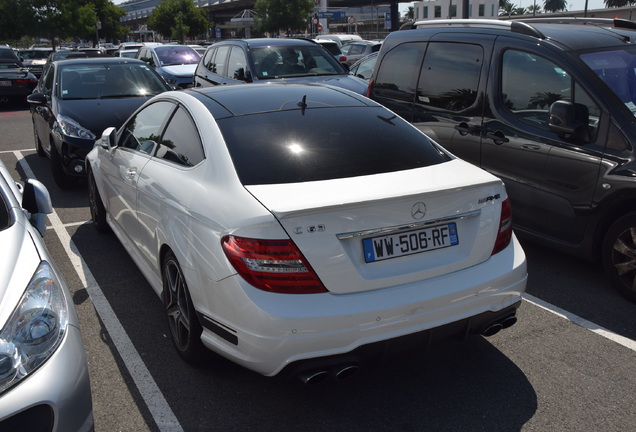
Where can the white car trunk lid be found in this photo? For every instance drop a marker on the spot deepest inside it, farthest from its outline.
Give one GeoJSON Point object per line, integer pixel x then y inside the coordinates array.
{"type": "Point", "coordinates": [372, 232]}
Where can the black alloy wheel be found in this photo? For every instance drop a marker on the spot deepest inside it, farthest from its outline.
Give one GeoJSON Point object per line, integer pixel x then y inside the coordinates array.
{"type": "Point", "coordinates": [185, 328]}
{"type": "Point", "coordinates": [619, 255]}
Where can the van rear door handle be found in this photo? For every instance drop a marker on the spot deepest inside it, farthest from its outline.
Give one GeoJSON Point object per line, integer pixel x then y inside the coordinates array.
{"type": "Point", "coordinates": [464, 129]}
{"type": "Point", "coordinates": [498, 137]}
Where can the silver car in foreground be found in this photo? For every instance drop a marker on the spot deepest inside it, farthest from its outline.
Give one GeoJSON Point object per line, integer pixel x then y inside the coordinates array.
{"type": "Point", "coordinates": [44, 382]}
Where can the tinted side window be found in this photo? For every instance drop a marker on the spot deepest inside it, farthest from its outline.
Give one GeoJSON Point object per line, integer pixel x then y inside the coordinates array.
{"type": "Point", "coordinates": [142, 132]}
{"type": "Point", "coordinates": [450, 75]}
{"type": "Point", "coordinates": [207, 60]}
{"type": "Point", "coordinates": [397, 75]}
{"type": "Point", "coordinates": [181, 143]}
{"type": "Point", "coordinates": [235, 62]}
{"type": "Point", "coordinates": [531, 83]}
{"type": "Point", "coordinates": [47, 81]}
{"type": "Point", "coordinates": [218, 66]}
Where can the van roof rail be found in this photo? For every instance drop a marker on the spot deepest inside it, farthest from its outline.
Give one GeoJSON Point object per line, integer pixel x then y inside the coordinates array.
{"type": "Point", "coordinates": [514, 26]}
{"type": "Point", "coordinates": [616, 22]}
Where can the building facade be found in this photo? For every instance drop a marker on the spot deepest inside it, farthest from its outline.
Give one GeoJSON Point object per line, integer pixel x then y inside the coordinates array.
{"type": "Point", "coordinates": [450, 9]}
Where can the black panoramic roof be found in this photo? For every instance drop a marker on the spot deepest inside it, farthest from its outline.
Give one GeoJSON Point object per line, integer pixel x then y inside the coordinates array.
{"type": "Point", "coordinates": [264, 42]}
{"type": "Point", "coordinates": [236, 100]}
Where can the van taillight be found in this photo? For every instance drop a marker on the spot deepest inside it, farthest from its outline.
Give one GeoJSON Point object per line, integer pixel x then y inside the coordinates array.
{"type": "Point", "coordinates": [272, 265]}
{"type": "Point", "coordinates": [504, 235]}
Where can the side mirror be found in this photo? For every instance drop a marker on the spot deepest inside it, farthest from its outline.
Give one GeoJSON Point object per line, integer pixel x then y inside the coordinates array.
{"type": "Point", "coordinates": [239, 74]}
{"type": "Point", "coordinates": [37, 99]}
{"type": "Point", "coordinates": [109, 139]}
{"type": "Point", "coordinates": [37, 201]}
{"type": "Point", "coordinates": [569, 120]}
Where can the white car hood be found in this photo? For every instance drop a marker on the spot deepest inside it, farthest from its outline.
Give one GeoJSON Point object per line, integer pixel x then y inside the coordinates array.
{"type": "Point", "coordinates": [180, 70]}
{"type": "Point", "coordinates": [20, 259]}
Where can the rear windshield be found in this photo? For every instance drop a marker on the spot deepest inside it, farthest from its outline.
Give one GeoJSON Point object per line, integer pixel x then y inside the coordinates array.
{"type": "Point", "coordinates": [322, 144]}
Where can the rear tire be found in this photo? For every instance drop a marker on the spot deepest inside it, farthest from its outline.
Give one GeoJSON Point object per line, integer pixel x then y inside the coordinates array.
{"type": "Point", "coordinates": [619, 255]}
{"type": "Point", "coordinates": [183, 322]}
{"type": "Point", "coordinates": [96, 205]}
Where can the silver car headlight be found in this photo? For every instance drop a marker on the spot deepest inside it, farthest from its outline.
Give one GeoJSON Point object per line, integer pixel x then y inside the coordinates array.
{"type": "Point", "coordinates": [71, 128]}
{"type": "Point", "coordinates": [35, 329]}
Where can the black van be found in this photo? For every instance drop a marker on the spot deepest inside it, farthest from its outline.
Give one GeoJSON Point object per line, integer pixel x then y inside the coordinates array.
{"type": "Point", "coordinates": [548, 105]}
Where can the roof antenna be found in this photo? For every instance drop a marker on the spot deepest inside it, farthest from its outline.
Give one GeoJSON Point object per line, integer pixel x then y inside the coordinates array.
{"type": "Point", "coordinates": [303, 104]}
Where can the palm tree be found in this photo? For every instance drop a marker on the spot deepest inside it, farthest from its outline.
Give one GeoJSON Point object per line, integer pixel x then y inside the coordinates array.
{"type": "Point", "coordinates": [618, 3]}
{"type": "Point", "coordinates": [506, 9]}
{"type": "Point", "coordinates": [556, 5]}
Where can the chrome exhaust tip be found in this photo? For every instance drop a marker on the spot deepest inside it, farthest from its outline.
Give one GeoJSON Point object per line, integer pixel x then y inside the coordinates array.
{"type": "Point", "coordinates": [345, 371]}
{"type": "Point", "coordinates": [492, 329]}
{"type": "Point", "coordinates": [313, 377]}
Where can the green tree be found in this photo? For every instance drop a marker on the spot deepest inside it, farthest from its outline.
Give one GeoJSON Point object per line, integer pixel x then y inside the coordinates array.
{"type": "Point", "coordinates": [178, 17]}
{"type": "Point", "coordinates": [285, 15]}
{"type": "Point", "coordinates": [506, 8]}
{"type": "Point", "coordinates": [16, 18]}
{"type": "Point", "coordinates": [555, 5]}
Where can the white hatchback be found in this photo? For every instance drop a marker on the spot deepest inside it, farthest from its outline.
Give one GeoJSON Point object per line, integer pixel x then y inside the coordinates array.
{"type": "Point", "coordinates": [303, 227]}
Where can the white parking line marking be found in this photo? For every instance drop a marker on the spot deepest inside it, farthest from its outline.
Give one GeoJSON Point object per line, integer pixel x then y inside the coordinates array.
{"type": "Point", "coordinates": [156, 403]}
{"type": "Point", "coordinates": [594, 328]}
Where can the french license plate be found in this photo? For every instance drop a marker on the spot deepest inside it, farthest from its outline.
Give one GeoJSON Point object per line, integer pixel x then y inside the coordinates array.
{"type": "Point", "coordinates": [5, 83]}
{"type": "Point", "coordinates": [411, 242]}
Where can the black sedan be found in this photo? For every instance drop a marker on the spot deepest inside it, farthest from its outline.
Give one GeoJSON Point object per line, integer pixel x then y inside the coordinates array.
{"type": "Point", "coordinates": [76, 99]}
{"type": "Point", "coordinates": [15, 80]}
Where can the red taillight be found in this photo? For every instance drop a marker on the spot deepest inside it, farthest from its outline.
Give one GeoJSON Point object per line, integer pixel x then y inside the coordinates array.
{"type": "Point", "coordinates": [343, 58]}
{"type": "Point", "coordinates": [504, 235]}
{"type": "Point", "coordinates": [369, 88]}
{"type": "Point", "coordinates": [24, 82]}
{"type": "Point", "coordinates": [272, 265]}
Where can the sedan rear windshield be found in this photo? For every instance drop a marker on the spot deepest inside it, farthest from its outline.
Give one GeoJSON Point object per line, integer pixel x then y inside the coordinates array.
{"type": "Point", "coordinates": [324, 143]}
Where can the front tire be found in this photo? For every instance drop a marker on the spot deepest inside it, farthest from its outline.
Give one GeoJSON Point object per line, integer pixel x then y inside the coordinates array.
{"type": "Point", "coordinates": [184, 325]}
{"type": "Point", "coordinates": [59, 176]}
{"type": "Point", "coordinates": [96, 205]}
{"type": "Point", "coordinates": [38, 143]}
{"type": "Point", "coordinates": [619, 255]}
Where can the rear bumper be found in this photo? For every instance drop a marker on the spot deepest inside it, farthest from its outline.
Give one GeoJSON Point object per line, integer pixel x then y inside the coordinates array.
{"type": "Point", "coordinates": [270, 332]}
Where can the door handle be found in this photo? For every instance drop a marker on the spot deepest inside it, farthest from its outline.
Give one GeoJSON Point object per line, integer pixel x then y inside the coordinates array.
{"type": "Point", "coordinates": [464, 129]}
{"type": "Point", "coordinates": [131, 174]}
{"type": "Point", "coordinates": [498, 137]}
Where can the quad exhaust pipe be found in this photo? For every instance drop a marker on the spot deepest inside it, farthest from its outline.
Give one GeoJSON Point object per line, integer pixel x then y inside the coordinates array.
{"type": "Point", "coordinates": [495, 327]}
{"type": "Point", "coordinates": [339, 372]}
